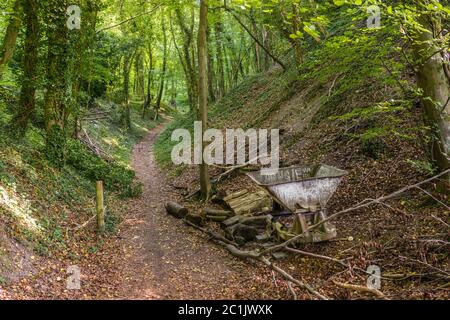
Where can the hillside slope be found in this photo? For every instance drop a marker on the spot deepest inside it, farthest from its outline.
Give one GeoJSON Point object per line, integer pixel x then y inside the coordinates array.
{"type": "Point", "coordinates": [47, 208]}
{"type": "Point", "coordinates": [357, 116]}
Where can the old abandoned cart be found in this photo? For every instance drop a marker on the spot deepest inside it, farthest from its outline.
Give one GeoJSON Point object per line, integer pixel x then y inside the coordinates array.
{"type": "Point", "coordinates": [304, 191]}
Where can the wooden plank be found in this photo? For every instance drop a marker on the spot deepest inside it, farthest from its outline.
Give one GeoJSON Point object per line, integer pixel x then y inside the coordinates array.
{"type": "Point", "coordinates": [235, 195]}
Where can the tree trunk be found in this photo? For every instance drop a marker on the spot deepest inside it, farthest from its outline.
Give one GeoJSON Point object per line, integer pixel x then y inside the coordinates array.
{"type": "Point", "coordinates": [183, 64]}
{"type": "Point", "coordinates": [28, 90]}
{"type": "Point", "coordinates": [148, 98]}
{"type": "Point", "coordinates": [139, 75]}
{"type": "Point", "coordinates": [267, 43]}
{"type": "Point", "coordinates": [57, 65]}
{"type": "Point", "coordinates": [176, 210]}
{"type": "Point", "coordinates": [255, 38]}
{"type": "Point", "coordinates": [189, 58]}
{"type": "Point", "coordinates": [218, 28]}
{"type": "Point", "coordinates": [211, 77]}
{"type": "Point", "coordinates": [296, 23]}
{"type": "Point", "coordinates": [9, 41]}
{"type": "Point", "coordinates": [164, 67]}
{"type": "Point", "coordinates": [205, 183]}
{"type": "Point", "coordinates": [173, 93]}
{"type": "Point", "coordinates": [436, 93]}
{"type": "Point", "coordinates": [126, 112]}
{"type": "Point", "coordinates": [257, 49]}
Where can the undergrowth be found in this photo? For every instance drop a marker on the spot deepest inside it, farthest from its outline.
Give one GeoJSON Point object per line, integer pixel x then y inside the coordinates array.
{"type": "Point", "coordinates": [45, 195]}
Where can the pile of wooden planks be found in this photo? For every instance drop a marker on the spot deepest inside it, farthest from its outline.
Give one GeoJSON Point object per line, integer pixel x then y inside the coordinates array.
{"type": "Point", "coordinates": [245, 202]}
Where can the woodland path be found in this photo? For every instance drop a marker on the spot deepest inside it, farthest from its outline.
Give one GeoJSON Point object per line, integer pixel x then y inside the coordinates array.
{"type": "Point", "coordinates": [166, 259]}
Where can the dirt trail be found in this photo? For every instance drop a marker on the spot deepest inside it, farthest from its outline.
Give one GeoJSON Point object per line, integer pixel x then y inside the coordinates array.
{"type": "Point", "coordinates": [165, 259]}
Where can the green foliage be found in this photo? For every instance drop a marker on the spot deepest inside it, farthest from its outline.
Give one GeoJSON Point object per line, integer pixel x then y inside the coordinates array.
{"type": "Point", "coordinates": [372, 144]}
{"type": "Point", "coordinates": [164, 144]}
{"type": "Point", "coordinates": [373, 111]}
{"type": "Point", "coordinates": [44, 198]}
{"type": "Point", "coordinates": [112, 221]}
{"type": "Point", "coordinates": [373, 124]}
{"type": "Point", "coordinates": [115, 176]}
{"type": "Point", "coordinates": [55, 145]}
{"type": "Point", "coordinates": [423, 166]}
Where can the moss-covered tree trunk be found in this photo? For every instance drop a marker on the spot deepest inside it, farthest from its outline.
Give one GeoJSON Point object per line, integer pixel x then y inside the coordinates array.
{"type": "Point", "coordinates": [218, 33]}
{"type": "Point", "coordinates": [30, 59]}
{"type": "Point", "coordinates": [12, 31]}
{"type": "Point", "coordinates": [189, 58]}
{"type": "Point", "coordinates": [57, 64]}
{"type": "Point", "coordinates": [211, 62]}
{"type": "Point", "coordinates": [164, 67]}
{"type": "Point", "coordinates": [205, 184]}
{"type": "Point", "coordinates": [148, 97]}
{"type": "Point", "coordinates": [57, 95]}
{"type": "Point", "coordinates": [435, 85]}
{"type": "Point", "coordinates": [126, 112]}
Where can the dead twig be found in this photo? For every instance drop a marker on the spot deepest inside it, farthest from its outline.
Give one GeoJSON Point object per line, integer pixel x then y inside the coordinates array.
{"type": "Point", "coordinates": [294, 294]}
{"type": "Point", "coordinates": [210, 233]}
{"type": "Point", "coordinates": [231, 247]}
{"type": "Point", "coordinates": [310, 254]}
{"type": "Point", "coordinates": [274, 279]}
{"type": "Point", "coordinates": [405, 276]}
{"type": "Point", "coordinates": [290, 278]}
{"type": "Point", "coordinates": [234, 168]}
{"type": "Point", "coordinates": [337, 261]}
{"type": "Point", "coordinates": [333, 83]}
{"type": "Point", "coordinates": [440, 220]}
{"type": "Point", "coordinates": [86, 140]}
{"type": "Point", "coordinates": [437, 241]}
{"type": "Point", "coordinates": [429, 266]}
{"type": "Point", "coordinates": [81, 226]}
{"type": "Point", "coordinates": [433, 197]}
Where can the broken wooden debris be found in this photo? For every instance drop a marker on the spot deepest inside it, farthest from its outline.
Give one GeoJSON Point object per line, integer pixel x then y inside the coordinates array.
{"type": "Point", "coordinates": [304, 191]}
{"type": "Point", "coordinates": [241, 233]}
{"type": "Point", "coordinates": [217, 215]}
{"type": "Point", "coordinates": [216, 218]}
{"type": "Point", "coordinates": [262, 237]}
{"type": "Point", "coordinates": [281, 233]}
{"type": "Point", "coordinates": [230, 221]}
{"type": "Point", "coordinates": [176, 210]}
{"type": "Point", "coordinates": [245, 202]}
{"type": "Point", "coordinates": [243, 229]}
{"type": "Point", "coordinates": [218, 197]}
{"type": "Point", "coordinates": [278, 255]}
{"type": "Point", "coordinates": [261, 221]}
{"type": "Point", "coordinates": [215, 212]}
{"type": "Point", "coordinates": [195, 219]}
{"type": "Point", "coordinates": [255, 255]}
{"type": "Point", "coordinates": [235, 195]}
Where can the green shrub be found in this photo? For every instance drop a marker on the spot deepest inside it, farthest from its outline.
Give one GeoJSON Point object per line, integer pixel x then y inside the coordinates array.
{"type": "Point", "coordinates": [115, 177]}
{"type": "Point", "coordinates": [55, 146]}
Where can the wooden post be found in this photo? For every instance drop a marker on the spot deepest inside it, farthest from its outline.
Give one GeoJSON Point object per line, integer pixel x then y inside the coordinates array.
{"type": "Point", "coordinates": [100, 207]}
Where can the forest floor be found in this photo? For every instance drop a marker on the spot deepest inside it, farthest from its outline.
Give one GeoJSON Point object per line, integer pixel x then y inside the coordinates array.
{"type": "Point", "coordinates": [406, 237]}
{"type": "Point", "coordinates": [165, 259]}
{"type": "Point", "coordinates": [152, 255]}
